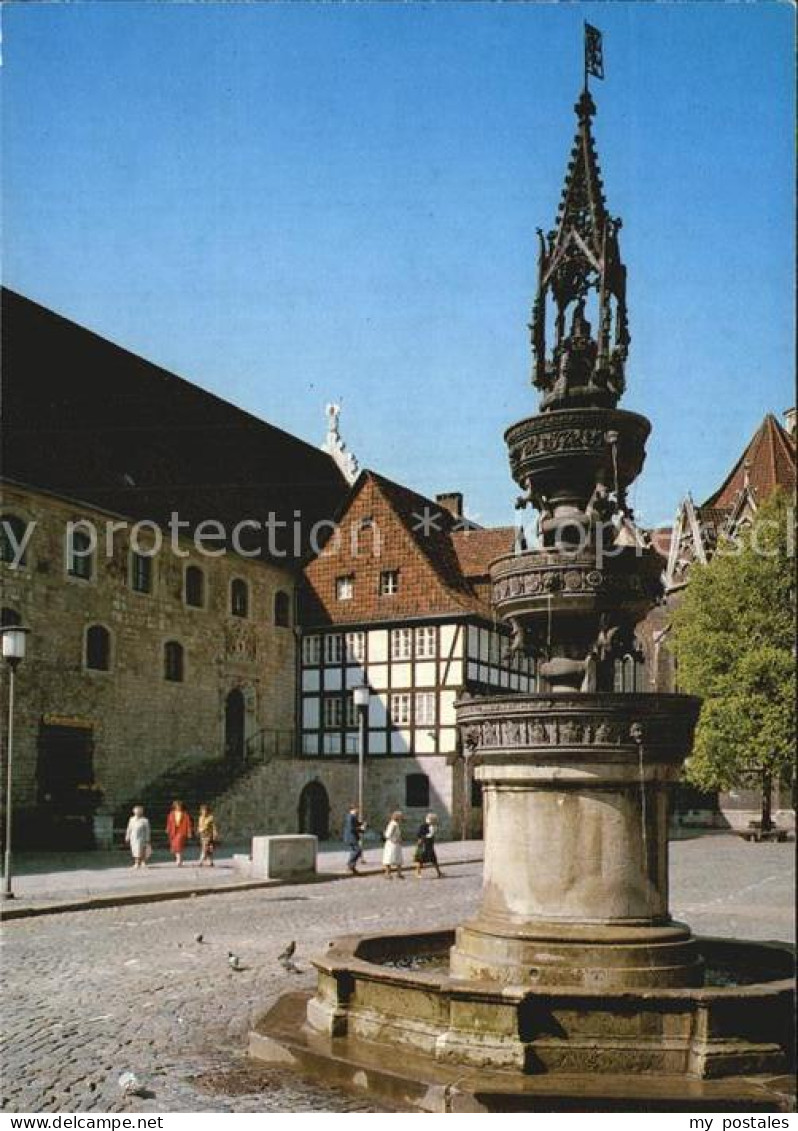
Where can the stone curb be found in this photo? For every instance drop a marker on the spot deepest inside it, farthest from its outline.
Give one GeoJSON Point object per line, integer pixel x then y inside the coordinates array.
{"type": "Point", "coordinates": [127, 899]}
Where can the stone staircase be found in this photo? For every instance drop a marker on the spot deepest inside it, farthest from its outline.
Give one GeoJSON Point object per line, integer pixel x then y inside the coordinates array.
{"type": "Point", "coordinates": [235, 790]}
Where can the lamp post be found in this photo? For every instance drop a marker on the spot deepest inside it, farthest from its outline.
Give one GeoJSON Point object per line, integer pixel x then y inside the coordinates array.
{"type": "Point", "coordinates": [14, 641]}
{"type": "Point", "coordinates": [361, 696]}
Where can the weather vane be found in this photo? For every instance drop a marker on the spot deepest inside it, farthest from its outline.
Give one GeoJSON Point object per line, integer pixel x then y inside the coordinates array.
{"type": "Point", "coordinates": [594, 53]}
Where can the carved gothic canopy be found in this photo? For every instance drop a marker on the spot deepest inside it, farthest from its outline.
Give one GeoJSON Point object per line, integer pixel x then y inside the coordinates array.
{"type": "Point", "coordinates": [579, 272]}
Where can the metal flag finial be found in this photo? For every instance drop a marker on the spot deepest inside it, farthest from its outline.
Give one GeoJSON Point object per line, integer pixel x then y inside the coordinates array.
{"type": "Point", "coordinates": [594, 53]}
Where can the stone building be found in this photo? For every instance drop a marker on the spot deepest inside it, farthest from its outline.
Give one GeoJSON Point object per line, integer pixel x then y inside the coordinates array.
{"type": "Point", "coordinates": [162, 657]}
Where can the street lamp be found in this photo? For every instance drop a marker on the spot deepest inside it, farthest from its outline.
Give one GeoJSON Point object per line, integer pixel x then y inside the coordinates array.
{"type": "Point", "coordinates": [361, 696]}
{"type": "Point", "coordinates": [14, 641]}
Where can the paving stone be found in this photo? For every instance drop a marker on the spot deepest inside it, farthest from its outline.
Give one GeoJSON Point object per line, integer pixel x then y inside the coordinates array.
{"type": "Point", "coordinates": [91, 994]}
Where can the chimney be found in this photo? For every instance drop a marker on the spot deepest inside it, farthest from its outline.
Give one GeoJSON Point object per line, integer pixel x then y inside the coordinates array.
{"type": "Point", "coordinates": [789, 422]}
{"type": "Point", "coordinates": [452, 501]}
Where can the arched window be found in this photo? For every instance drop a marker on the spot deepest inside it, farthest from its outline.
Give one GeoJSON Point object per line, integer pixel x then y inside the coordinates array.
{"type": "Point", "coordinates": [239, 598]}
{"type": "Point", "coordinates": [98, 648]}
{"type": "Point", "coordinates": [9, 617]}
{"type": "Point", "coordinates": [417, 791]}
{"type": "Point", "coordinates": [282, 609]}
{"type": "Point", "coordinates": [80, 552]}
{"type": "Point", "coordinates": [173, 661]}
{"type": "Point", "coordinates": [12, 539]}
{"type": "Point", "coordinates": [195, 587]}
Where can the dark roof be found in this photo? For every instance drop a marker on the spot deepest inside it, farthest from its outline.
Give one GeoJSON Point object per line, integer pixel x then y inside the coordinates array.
{"type": "Point", "coordinates": [768, 462]}
{"type": "Point", "coordinates": [87, 420]}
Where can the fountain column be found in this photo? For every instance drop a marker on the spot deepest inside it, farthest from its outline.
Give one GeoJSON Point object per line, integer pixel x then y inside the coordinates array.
{"type": "Point", "coordinates": [575, 778]}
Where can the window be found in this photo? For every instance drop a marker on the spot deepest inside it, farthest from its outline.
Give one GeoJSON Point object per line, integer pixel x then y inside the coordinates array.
{"type": "Point", "coordinates": [351, 712]}
{"type": "Point", "coordinates": [345, 587]}
{"type": "Point", "coordinates": [476, 794]}
{"type": "Point", "coordinates": [401, 644]}
{"type": "Point", "coordinates": [355, 646]}
{"type": "Point", "coordinates": [400, 709]}
{"type": "Point", "coordinates": [332, 711]}
{"type": "Point", "coordinates": [417, 791]}
{"type": "Point", "coordinates": [12, 537]}
{"type": "Point", "coordinates": [389, 582]}
{"type": "Point", "coordinates": [282, 609]}
{"type": "Point", "coordinates": [9, 617]}
{"type": "Point", "coordinates": [425, 643]}
{"type": "Point", "coordinates": [195, 587]}
{"type": "Point", "coordinates": [173, 661]}
{"type": "Point", "coordinates": [98, 648]}
{"type": "Point", "coordinates": [239, 598]}
{"type": "Point", "coordinates": [311, 650]}
{"type": "Point", "coordinates": [141, 572]}
{"type": "Point", "coordinates": [333, 648]}
{"type": "Point", "coordinates": [80, 554]}
{"type": "Point", "coordinates": [426, 714]}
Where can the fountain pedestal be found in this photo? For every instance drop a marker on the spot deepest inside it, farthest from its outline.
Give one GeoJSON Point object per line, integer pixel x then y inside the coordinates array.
{"type": "Point", "coordinates": [575, 883]}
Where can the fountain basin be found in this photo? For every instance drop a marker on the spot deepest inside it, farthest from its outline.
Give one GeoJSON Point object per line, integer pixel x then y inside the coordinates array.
{"type": "Point", "coordinates": [741, 1027]}
{"type": "Point", "coordinates": [388, 1019]}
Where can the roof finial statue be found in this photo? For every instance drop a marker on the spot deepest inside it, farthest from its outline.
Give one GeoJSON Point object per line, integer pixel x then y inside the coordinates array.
{"type": "Point", "coordinates": [579, 261]}
{"type": "Point", "coordinates": [336, 448]}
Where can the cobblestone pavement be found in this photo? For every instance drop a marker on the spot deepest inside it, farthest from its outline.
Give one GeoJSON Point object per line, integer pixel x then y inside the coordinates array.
{"type": "Point", "coordinates": [88, 995]}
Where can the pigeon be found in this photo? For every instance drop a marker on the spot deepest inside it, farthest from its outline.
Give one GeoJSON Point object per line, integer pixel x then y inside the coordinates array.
{"type": "Point", "coordinates": [234, 961]}
{"type": "Point", "coordinates": [131, 1085]}
{"type": "Point", "coordinates": [198, 939]}
{"type": "Point", "coordinates": [287, 954]}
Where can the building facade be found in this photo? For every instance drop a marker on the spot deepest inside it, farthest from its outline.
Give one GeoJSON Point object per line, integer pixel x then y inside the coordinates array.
{"type": "Point", "coordinates": [398, 601]}
{"type": "Point", "coordinates": [161, 663]}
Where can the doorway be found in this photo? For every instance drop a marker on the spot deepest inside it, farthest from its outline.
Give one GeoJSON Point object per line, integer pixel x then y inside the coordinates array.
{"type": "Point", "coordinates": [234, 716]}
{"type": "Point", "coordinates": [314, 811]}
{"type": "Point", "coordinates": [66, 796]}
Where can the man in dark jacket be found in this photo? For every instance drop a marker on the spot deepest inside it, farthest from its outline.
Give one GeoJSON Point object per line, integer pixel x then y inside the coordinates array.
{"type": "Point", "coordinates": [353, 838]}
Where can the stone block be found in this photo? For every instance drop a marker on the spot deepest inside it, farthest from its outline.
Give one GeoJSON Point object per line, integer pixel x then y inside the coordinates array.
{"type": "Point", "coordinates": [283, 857]}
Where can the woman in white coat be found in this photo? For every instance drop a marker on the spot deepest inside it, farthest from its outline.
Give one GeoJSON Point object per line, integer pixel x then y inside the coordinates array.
{"type": "Point", "coordinates": [392, 850]}
{"type": "Point", "coordinates": [138, 837]}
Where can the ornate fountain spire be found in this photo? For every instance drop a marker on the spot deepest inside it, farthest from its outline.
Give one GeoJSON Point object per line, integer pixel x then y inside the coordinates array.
{"type": "Point", "coordinates": [580, 271]}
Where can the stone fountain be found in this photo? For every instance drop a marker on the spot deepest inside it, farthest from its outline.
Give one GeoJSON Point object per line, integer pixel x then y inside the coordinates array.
{"type": "Point", "coordinates": [572, 985]}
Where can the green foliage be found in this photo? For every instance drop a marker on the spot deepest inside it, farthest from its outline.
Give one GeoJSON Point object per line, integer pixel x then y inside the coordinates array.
{"type": "Point", "coordinates": [734, 640]}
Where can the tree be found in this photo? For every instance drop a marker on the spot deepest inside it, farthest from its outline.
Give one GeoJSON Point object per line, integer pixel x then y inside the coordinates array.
{"type": "Point", "coordinates": [734, 641]}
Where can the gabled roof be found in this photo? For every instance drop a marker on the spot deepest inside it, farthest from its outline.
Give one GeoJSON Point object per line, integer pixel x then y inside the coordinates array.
{"type": "Point", "coordinates": [443, 567]}
{"type": "Point", "coordinates": [768, 462]}
{"type": "Point", "coordinates": [87, 420]}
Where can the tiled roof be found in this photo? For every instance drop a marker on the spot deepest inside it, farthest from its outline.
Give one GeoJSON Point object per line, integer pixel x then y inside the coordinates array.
{"type": "Point", "coordinates": [431, 527]}
{"type": "Point", "coordinates": [86, 419]}
{"type": "Point", "coordinates": [442, 566]}
{"type": "Point", "coordinates": [476, 549]}
{"type": "Point", "coordinates": [769, 461]}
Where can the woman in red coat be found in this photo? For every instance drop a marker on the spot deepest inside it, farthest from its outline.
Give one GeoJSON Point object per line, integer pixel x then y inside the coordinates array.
{"type": "Point", "coordinates": [179, 830]}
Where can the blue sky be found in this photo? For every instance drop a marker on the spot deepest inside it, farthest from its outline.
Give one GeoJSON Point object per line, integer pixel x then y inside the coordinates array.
{"type": "Point", "coordinates": [292, 203]}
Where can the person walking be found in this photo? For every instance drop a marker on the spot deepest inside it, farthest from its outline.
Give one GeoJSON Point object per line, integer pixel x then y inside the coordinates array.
{"type": "Point", "coordinates": [208, 834]}
{"type": "Point", "coordinates": [179, 830]}
{"type": "Point", "coordinates": [353, 838]}
{"type": "Point", "coordinates": [138, 836]}
{"type": "Point", "coordinates": [392, 849]}
{"type": "Point", "coordinates": [425, 845]}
